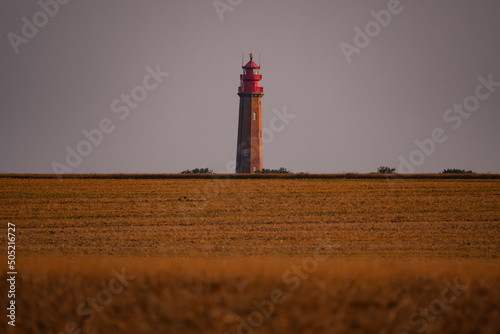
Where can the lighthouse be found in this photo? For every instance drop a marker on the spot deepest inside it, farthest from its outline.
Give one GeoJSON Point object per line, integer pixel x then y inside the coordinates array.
{"type": "Point", "coordinates": [249, 148]}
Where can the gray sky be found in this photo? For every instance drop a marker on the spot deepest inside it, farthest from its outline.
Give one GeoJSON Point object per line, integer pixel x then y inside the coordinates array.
{"type": "Point", "coordinates": [349, 116]}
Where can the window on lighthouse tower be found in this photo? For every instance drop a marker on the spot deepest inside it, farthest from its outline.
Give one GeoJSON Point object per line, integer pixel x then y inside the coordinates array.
{"type": "Point", "coordinates": [254, 116]}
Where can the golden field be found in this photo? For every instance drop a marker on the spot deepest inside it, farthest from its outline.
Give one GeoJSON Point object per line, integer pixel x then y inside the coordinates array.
{"type": "Point", "coordinates": [348, 255]}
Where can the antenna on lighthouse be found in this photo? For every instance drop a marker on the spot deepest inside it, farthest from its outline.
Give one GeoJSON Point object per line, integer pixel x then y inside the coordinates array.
{"type": "Point", "coordinates": [242, 59]}
{"type": "Point", "coordinates": [259, 59]}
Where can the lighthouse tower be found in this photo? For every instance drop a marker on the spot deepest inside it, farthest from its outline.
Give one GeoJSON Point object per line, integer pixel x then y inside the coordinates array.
{"type": "Point", "coordinates": [249, 149]}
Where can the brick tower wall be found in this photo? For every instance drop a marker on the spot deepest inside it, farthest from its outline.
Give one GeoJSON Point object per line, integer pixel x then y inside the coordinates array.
{"type": "Point", "coordinates": [249, 148]}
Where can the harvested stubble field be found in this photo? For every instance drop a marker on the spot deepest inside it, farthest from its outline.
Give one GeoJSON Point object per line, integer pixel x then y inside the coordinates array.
{"type": "Point", "coordinates": [348, 255]}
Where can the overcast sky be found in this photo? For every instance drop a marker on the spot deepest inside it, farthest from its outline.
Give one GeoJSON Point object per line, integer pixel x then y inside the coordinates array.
{"type": "Point", "coordinates": [340, 102]}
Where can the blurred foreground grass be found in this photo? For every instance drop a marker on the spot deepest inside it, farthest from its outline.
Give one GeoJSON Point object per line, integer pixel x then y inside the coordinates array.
{"type": "Point", "coordinates": [246, 295]}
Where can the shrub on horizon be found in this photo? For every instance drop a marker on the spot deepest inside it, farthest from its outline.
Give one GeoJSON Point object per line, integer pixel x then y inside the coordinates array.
{"type": "Point", "coordinates": [386, 170]}
{"type": "Point", "coordinates": [282, 170]}
{"type": "Point", "coordinates": [198, 171]}
{"type": "Point", "coordinates": [456, 171]}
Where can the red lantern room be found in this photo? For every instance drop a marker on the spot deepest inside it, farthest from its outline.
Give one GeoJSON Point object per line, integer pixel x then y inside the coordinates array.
{"type": "Point", "coordinates": [250, 78]}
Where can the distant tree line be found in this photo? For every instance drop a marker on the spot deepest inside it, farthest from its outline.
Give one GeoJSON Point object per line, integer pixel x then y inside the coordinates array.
{"type": "Point", "coordinates": [456, 171]}
{"type": "Point", "coordinates": [207, 170]}
{"type": "Point", "coordinates": [390, 170]}
{"type": "Point", "coordinates": [198, 171]}
{"type": "Point", "coordinates": [282, 170]}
